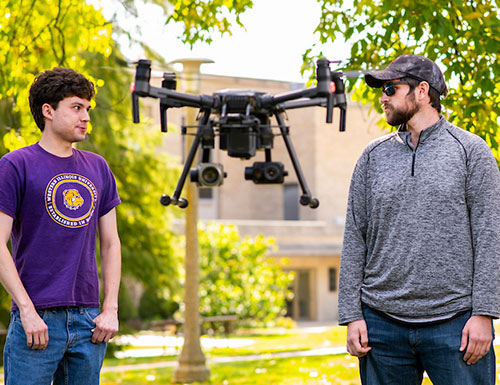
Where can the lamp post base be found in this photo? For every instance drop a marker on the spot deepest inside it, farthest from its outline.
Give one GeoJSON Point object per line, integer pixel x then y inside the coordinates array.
{"type": "Point", "coordinates": [186, 373]}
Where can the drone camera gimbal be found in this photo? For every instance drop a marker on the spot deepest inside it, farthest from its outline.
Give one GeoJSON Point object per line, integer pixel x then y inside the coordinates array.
{"type": "Point", "coordinates": [242, 122]}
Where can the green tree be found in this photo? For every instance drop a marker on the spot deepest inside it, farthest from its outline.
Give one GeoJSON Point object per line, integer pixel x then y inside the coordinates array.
{"type": "Point", "coordinates": [238, 277]}
{"type": "Point", "coordinates": [35, 35]}
{"type": "Point", "coordinates": [76, 35]}
{"type": "Point", "coordinates": [462, 36]}
{"type": "Point", "coordinates": [38, 35]}
{"type": "Point", "coordinates": [156, 305]}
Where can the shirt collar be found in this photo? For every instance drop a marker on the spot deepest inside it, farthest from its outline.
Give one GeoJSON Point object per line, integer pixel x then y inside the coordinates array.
{"type": "Point", "coordinates": [426, 134]}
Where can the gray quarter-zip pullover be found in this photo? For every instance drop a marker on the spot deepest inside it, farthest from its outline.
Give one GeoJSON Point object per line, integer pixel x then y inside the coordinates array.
{"type": "Point", "coordinates": [422, 236]}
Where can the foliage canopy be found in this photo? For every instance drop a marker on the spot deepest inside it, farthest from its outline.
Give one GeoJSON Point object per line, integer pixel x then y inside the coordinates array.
{"type": "Point", "coordinates": [39, 35]}
{"type": "Point", "coordinates": [463, 37]}
{"type": "Point", "coordinates": [200, 19]}
{"type": "Point", "coordinates": [76, 35]}
{"type": "Point", "coordinates": [34, 36]}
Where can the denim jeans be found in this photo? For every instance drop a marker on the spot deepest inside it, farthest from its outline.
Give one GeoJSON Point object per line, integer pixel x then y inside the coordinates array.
{"type": "Point", "coordinates": [70, 357]}
{"type": "Point", "coordinates": [400, 354]}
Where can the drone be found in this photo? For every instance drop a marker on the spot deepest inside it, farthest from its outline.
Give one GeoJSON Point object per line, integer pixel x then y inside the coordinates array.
{"type": "Point", "coordinates": [242, 120]}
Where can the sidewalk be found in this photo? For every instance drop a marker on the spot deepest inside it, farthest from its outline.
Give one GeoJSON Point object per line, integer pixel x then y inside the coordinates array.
{"type": "Point", "coordinates": [217, 360]}
{"type": "Point", "coordinates": [153, 345]}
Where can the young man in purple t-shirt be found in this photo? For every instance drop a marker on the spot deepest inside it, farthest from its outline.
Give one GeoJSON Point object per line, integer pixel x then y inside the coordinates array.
{"type": "Point", "coordinates": [54, 200]}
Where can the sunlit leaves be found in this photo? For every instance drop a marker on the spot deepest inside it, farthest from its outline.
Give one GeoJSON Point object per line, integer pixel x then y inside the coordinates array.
{"type": "Point", "coordinates": [42, 34]}
{"type": "Point", "coordinates": [463, 37]}
{"type": "Point", "coordinates": [38, 35]}
{"type": "Point", "coordinates": [201, 18]}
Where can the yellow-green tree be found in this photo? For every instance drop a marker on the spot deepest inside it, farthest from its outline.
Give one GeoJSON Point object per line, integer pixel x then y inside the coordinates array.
{"type": "Point", "coordinates": [34, 36]}
{"type": "Point", "coordinates": [462, 36]}
{"type": "Point", "coordinates": [37, 35]}
{"type": "Point", "coordinates": [42, 34]}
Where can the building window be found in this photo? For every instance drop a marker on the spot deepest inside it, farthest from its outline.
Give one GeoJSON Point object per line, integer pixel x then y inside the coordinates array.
{"type": "Point", "coordinates": [332, 278]}
{"type": "Point", "coordinates": [291, 201]}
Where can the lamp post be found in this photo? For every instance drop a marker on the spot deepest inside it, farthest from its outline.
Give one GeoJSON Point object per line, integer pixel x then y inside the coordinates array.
{"type": "Point", "coordinates": [191, 364]}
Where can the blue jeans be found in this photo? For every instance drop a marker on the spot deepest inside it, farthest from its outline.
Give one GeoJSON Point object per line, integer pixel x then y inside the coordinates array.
{"type": "Point", "coordinates": [400, 354]}
{"type": "Point", "coordinates": [70, 357]}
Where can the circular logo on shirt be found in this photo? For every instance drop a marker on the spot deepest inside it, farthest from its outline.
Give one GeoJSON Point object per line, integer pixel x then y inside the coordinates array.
{"type": "Point", "coordinates": [70, 199]}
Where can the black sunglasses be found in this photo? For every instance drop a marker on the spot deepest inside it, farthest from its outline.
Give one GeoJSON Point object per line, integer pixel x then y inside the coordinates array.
{"type": "Point", "coordinates": [388, 88]}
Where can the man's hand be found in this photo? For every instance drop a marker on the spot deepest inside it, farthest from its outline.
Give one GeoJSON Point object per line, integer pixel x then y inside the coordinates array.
{"type": "Point", "coordinates": [106, 327]}
{"type": "Point", "coordinates": [357, 338]}
{"type": "Point", "coordinates": [476, 337]}
{"type": "Point", "coordinates": [37, 332]}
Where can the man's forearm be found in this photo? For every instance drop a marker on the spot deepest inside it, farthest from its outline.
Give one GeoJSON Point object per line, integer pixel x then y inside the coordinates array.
{"type": "Point", "coordinates": [111, 275]}
{"type": "Point", "coordinates": [11, 281]}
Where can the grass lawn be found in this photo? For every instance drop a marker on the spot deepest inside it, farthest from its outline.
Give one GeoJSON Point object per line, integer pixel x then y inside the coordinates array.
{"type": "Point", "coordinates": [263, 342]}
{"type": "Point", "coordinates": [323, 370]}
{"type": "Point", "coordinates": [334, 370]}
{"type": "Point", "coordinates": [339, 369]}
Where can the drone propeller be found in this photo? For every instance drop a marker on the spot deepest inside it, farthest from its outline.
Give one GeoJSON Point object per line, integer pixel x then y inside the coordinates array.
{"type": "Point", "coordinates": [158, 72]}
{"type": "Point", "coordinates": [354, 74]}
{"type": "Point", "coordinates": [348, 73]}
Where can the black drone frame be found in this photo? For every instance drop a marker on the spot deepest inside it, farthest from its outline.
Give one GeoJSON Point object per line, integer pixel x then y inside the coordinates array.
{"type": "Point", "coordinates": [242, 122]}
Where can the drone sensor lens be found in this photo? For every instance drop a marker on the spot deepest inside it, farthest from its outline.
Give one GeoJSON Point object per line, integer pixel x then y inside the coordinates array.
{"type": "Point", "coordinates": [210, 175]}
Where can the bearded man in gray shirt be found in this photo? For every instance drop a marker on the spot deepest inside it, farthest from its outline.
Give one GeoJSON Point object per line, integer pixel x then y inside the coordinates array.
{"type": "Point", "coordinates": [420, 267]}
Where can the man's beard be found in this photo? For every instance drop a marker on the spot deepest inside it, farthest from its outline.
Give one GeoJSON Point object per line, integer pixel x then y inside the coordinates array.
{"type": "Point", "coordinates": [401, 116]}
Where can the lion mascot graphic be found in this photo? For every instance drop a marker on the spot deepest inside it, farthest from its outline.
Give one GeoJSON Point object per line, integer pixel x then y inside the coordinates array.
{"type": "Point", "coordinates": [72, 199]}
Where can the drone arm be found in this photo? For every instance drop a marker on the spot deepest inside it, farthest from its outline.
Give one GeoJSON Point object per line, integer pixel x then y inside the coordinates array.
{"type": "Point", "coordinates": [163, 117]}
{"type": "Point", "coordinates": [331, 101]}
{"type": "Point", "coordinates": [142, 88]}
{"type": "Point", "coordinates": [180, 99]}
{"type": "Point", "coordinates": [340, 101]}
{"type": "Point", "coordinates": [271, 101]}
{"type": "Point", "coordinates": [303, 103]}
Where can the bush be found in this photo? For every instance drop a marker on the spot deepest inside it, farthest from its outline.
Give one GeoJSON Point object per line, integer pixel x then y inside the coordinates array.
{"type": "Point", "coordinates": [154, 306]}
{"type": "Point", "coordinates": [237, 276]}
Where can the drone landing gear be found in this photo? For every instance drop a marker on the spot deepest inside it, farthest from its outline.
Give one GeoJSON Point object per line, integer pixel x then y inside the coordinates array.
{"type": "Point", "coordinates": [165, 199]}
{"type": "Point", "coordinates": [306, 198]}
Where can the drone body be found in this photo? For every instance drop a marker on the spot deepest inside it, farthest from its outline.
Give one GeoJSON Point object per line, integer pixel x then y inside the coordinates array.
{"type": "Point", "coordinates": [241, 119]}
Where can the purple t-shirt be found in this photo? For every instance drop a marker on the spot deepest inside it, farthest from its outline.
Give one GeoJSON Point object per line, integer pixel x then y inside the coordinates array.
{"type": "Point", "coordinates": [56, 204]}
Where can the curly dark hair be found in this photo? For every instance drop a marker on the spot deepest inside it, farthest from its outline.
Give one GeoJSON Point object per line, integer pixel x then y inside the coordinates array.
{"type": "Point", "coordinates": [54, 85]}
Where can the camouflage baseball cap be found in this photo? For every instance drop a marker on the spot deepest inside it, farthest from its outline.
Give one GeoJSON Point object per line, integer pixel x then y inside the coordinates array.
{"type": "Point", "coordinates": [413, 66]}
